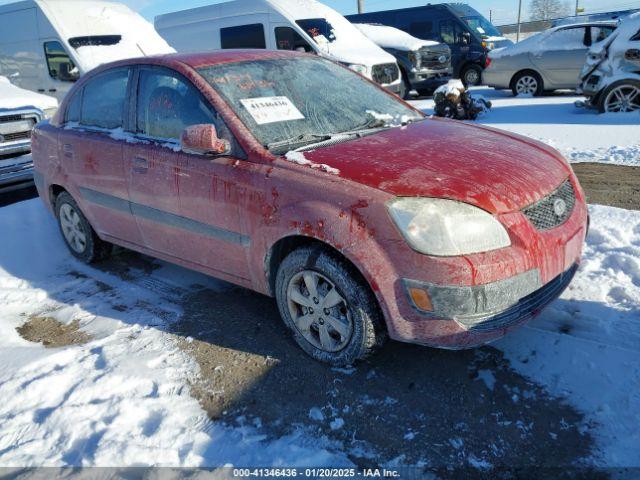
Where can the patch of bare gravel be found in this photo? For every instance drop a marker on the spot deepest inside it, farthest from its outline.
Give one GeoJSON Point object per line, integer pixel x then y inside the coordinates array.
{"type": "Point", "coordinates": [51, 333]}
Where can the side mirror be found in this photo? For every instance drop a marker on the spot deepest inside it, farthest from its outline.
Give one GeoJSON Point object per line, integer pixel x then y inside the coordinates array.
{"type": "Point", "coordinates": [466, 38]}
{"type": "Point", "coordinates": [203, 140]}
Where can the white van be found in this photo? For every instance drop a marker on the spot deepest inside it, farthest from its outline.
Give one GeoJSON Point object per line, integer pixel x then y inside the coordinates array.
{"type": "Point", "coordinates": [45, 45]}
{"type": "Point", "coordinates": [304, 25]}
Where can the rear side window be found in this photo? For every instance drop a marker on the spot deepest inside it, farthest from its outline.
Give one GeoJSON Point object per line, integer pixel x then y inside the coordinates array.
{"type": "Point", "coordinates": [600, 33]}
{"type": "Point", "coordinates": [167, 104]}
{"type": "Point", "coordinates": [422, 30]}
{"type": "Point", "coordinates": [60, 66]}
{"type": "Point", "coordinates": [104, 99]}
{"type": "Point", "coordinates": [244, 36]}
{"type": "Point", "coordinates": [73, 110]}
{"type": "Point", "coordinates": [567, 39]}
{"type": "Point", "coordinates": [288, 39]}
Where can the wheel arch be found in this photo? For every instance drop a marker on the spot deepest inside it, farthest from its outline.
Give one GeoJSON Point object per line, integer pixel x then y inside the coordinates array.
{"type": "Point", "coordinates": [525, 70]}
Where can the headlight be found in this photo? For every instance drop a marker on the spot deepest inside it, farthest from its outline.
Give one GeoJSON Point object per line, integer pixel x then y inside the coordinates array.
{"type": "Point", "coordinates": [435, 226]}
{"type": "Point", "coordinates": [49, 112]}
{"type": "Point", "coordinates": [413, 58]}
{"type": "Point", "coordinates": [361, 69]}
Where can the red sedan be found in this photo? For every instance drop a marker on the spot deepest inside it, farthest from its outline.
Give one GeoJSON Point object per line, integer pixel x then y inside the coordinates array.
{"type": "Point", "coordinates": [295, 177]}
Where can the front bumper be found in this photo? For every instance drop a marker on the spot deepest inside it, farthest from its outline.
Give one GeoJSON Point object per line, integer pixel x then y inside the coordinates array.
{"type": "Point", "coordinates": [495, 306]}
{"type": "Point", "coordinates": [16, 176]}
{"type": "Point", "coordinates": [429, 80]}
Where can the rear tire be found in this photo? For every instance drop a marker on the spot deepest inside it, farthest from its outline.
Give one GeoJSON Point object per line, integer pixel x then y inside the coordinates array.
{"type": "Point", "coordinates": [527, 83]}
{"type": "Point", "coordinates": [78, 235]}
{"type": "Point", "coordinates": [329, 308]}
{"type": "Point", "coordinates": [471, 75]}
{"type": "Point", "coordinates": [621, 96]}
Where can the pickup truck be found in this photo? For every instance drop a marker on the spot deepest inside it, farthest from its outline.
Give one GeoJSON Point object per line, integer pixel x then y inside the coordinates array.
{"type": "Point", "coordinates": [20, 110]}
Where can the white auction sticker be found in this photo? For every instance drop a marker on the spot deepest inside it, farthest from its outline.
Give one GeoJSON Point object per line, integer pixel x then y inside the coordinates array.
{"type": "Point", "coordinates": [271, 109]}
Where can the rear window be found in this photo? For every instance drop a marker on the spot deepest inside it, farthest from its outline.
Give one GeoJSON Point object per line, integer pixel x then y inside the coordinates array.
{"type": "Point", "coordinates": [243, 36]}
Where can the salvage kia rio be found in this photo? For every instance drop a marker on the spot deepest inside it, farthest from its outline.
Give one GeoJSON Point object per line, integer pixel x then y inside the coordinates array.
{"type": "Point", "coordinates": [295, 177]}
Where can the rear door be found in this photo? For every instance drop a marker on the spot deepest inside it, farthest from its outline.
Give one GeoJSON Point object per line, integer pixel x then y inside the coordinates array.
{"type": "Point", "coordinates": [91, 148]}
{"type": "Point", "coordinates": [561, 56]}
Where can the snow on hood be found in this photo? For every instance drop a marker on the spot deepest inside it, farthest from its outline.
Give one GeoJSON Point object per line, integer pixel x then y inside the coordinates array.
{"type": "Point", "coordinates": [390, 37]}
{"type": "Point", "coordinates": [16, 97]}
{"type": "Point", "coordinates": [349, 46]}
{"type": "Point", "coordinates": [139, 38]}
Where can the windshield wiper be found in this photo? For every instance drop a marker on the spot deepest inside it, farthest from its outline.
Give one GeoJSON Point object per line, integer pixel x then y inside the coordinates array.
{"type": "Point", "coordinates": [299, 140]}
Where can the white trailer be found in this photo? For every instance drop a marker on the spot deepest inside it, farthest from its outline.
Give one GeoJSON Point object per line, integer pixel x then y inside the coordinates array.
{"type": "Point", "coordinates": [303, 25]}
{"type": "Point", "coordinates": [45, 45]}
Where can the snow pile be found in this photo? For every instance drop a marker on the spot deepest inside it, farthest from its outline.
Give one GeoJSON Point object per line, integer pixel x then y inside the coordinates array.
{"type": "Point", "coordinates": [615, 154]}
{"type": "Point", "coordinates": [122, 398]}
{"type": "Point", "coordinates": [586, 346]}
{"type": "Point", "coordinates": [300, 159]}
{"type": "Point", "coordinates": [390, 37]}
{"type": "Point", "coordinates": [15, 97]}
{"type": "Point", "coordinates": [453, 88]}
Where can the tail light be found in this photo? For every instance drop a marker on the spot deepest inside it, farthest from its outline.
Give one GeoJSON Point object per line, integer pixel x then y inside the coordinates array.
{"type": "Point", "coordinates": [487, 62]}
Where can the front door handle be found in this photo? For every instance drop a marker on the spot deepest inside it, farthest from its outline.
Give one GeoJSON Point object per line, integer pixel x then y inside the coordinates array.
{"type": "Point", "coordinates": [140, 165]}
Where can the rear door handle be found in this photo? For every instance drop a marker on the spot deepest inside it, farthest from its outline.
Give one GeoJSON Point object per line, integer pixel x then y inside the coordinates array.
{"type": "Point", "coordinates": [68, 150]}
{"type": "Point", "coordinates": [140, 165]}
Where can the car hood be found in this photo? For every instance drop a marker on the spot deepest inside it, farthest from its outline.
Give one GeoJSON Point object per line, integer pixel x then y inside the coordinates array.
{"type": "Point", "coordinates": [497, 171]}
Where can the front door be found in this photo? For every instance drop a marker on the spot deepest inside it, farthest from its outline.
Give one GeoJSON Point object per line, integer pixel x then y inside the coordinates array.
{"type": "Point", "coordinates": [183, 203]}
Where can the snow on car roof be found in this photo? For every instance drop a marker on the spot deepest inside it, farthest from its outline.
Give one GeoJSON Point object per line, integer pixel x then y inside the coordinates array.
{"type": "Point", "coordinates": [390, 37]}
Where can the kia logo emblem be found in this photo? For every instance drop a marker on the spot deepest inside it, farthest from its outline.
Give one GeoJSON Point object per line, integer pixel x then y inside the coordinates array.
{"type": "Point", "coordinates": [559, 207]}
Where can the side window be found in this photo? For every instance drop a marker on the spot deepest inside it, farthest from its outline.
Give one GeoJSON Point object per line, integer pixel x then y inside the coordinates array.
{"type": "Point", "coordinates": [450, 32]}
{"type": "Point", "coordinates": [244, 36]}
{"type": "Point", "coordinates": [288, 39]}
{"type": "Point", "coordinates": [600, 33]}
{"type": "Point", "coordinates": [104, 99]}
{"type": "Point", "coordinates": [167, 104]}
{"type": "Point", "coordinates": [423, 30]}
{"type": "Point", "coordinates": [567, 39]}
{"type": "Point", "coordinates": [60, 66]}
{"type": "Point", "coordinates": [73, 110]}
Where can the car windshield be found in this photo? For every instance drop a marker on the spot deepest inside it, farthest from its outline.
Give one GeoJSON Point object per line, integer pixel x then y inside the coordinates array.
{"type": "Point", "coordinates": [304, 98]}
{"type": "Point", "coordinates": [319, 29]}
{"type": "Point", "coordinates": [482, 26]}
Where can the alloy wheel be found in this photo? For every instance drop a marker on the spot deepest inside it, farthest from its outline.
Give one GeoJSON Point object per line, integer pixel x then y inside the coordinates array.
{"type": "Point", "coordinates": [527, 85]}
{"type": "Point", "coordinates": [72, 228]}
{"type": "Point", "coordinates": [318, 311]}
{"type": "Point", "coordinates": [624, 98]}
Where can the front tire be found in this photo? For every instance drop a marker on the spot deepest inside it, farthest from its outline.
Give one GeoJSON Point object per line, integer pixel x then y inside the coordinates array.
{"type": "Point", "coordinates": [78, 235]}
{"type": "Point", "coordinates": [328, 307]}
{"type": "Point", "coordinates": [527, 83]}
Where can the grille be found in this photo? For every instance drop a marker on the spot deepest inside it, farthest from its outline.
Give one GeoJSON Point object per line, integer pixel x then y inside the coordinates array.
{"type": "Point", "coordinates": [10, 118]}
{"type": "Point", "coordinates": [553, 210]}
{"type": "Point", "coordinates": [11, 137]}
{"type": "Point", "coordinates": [525, 309]}
{"type": "Point", "coordinates": [385, 73]}
{"type": "Point", "coordinates": [431, 59]}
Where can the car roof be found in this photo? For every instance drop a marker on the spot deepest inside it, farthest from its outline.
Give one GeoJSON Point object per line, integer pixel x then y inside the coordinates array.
{"type": "Point", "coordinates": [207, 59]}
{"type": "Point", "coordinates": [595, 23]}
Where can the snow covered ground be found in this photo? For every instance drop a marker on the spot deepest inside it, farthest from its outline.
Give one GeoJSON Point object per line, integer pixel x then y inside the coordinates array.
{"type": "Point", "coordinates": [122, 396]}
{"type": "Point", "coordinates": [581, 135]}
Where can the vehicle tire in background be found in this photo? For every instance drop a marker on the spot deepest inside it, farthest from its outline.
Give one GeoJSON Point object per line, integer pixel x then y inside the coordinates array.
{"type": "Point", "coordinates": [328, 306]}
{"type": "Point", "coordinates": [620, 96]}
{"type": "Point", "coordinates": [527, 82]}
{"type": "Point", "coordinates": [471, 75]}
{"type": "Point", "coordinates": [81, 239]}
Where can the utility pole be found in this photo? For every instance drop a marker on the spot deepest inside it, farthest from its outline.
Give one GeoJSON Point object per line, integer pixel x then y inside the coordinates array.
{"type": "Point", "coordinates": [360, 6]}
{"type": "Point", "coordinates": [519, 18]}
{"type": "Point", "coordinates": [577, 7]}
{"type": "Point", "coordinates": [490, 16]}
